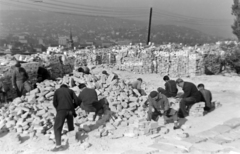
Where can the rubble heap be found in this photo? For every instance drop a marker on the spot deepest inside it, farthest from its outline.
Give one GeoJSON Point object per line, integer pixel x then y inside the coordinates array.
{"type": "Point", "coordinates": [33, 114]}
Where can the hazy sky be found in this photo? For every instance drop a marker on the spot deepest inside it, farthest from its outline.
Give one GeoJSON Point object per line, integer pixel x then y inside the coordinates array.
{"type": "Point", "coordinates": [210, 16]}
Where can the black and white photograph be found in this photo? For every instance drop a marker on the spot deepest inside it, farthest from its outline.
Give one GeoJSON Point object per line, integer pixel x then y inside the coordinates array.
{"type": "Point", "coordinates": [120, 76]}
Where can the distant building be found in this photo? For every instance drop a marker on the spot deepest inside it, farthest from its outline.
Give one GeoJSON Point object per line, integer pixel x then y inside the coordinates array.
{"type": "Point", "coordinates": [23, 41]}
{"type": "Point", "coordinates": [70, 41]}
{"type": "Point", "coordinates": [107, 44]}
{"type": "Point", "coordinates": [124, 42]}
{"type": "Point", "coordinates": [40, 41]}
{"type": "Point", "coordinates": [63, 40]}
{"type": "Point", "coordinates": [21, 37]}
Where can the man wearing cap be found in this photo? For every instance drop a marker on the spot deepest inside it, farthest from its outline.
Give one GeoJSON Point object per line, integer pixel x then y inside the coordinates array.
{"type": "Point", "coordinates": [170, 87]}
{"type": "Point", "coordinates": [65, 102]}
{"type": "Point", "coordinates": [138, 85]}
{"type": "Point", "coordinates": [19, 80]}
{"type": "Point", "coordinates": [160, 104]}
{"type": "Point", "coordinates": [190, 97]}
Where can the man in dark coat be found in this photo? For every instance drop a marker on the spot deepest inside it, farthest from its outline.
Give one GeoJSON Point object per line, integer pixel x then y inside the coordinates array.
{"type": "Point", "coordinates": [42, 74]}
{"type": "Point", "coordinates": [207, 95]}
{"type": "Point", "coordinates": [89, 100]}
{"type": "Point", "coordinates": [170, 87]}
{"type": "Point", "coordinates": [190, 97]}
{"type": "Point", "coordinates": [64, 101]}
{"type": "Point", "coordinates": [19, 80]}
{"type": "Point", "coordinates": [159, 102]}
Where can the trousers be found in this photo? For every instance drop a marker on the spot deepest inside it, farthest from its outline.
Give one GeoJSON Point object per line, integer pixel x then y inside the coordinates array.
{"type": "Point", "coordinates": [22, 88]}
{"type": "Point", "coordinates": [185, 105]}
{"type": "Point", "coordinates": [59, 122]}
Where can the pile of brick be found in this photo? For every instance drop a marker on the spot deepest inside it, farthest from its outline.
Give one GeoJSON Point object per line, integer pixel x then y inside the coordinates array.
{"type": "Point", "coordinates": [34, 113]}
{"type": "Point", "coordinates": [175, 63]}
{"type": "Point", "coordinates": [197, 110]}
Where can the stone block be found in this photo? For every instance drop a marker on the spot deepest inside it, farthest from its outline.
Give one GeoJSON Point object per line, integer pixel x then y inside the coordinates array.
{"type": "Point", "coordinates": [176, 143]}
{"type": "Point", "coordinates": [207, 134]}
{"type": "Point", "coordinates": [233, 144]}
{"type": "Point", "coordinates": [50, 94]}
{"type": "Point", "coordinates": [153, 125]}
{"type": "Point", "coordinates": [167, 148]}
{"type": "Point", "coordinates": [220, 139]}
{"type": "Point", "coordinates": [34, 91]}
{"type": "Point", "coordinates": [233, 122]}
{"type": "Point", "coordinates": [85, 145]}
{"type": "Point", "coordinates": [40, 112]}
{"type": "Point", "coordinates": [207, 147]}
{"type": "Point", "coordinates": [220, 129]}
{"type": "Point", "coordinates": [232, 135]}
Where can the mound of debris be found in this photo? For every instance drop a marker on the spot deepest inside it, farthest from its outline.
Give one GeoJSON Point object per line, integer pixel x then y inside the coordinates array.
{"type": "Point", "coordinates": [33, 114]}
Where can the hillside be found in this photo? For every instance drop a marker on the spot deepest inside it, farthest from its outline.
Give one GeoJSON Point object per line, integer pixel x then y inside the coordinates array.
{"type": "Point", "coordinates": [49, 24]}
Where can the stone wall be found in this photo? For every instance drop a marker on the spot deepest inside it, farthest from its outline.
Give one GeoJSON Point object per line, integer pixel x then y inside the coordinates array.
{"type": "Point", "coordinates": [174, 64]}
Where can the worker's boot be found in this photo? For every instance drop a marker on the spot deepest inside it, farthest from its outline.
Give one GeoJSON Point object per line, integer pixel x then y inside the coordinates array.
{"type": "Point", "coordinates": [176, 125]}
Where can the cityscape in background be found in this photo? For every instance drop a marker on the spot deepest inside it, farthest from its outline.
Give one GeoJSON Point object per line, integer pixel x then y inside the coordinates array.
{"type": "Point", "coordinates": [27, 31]}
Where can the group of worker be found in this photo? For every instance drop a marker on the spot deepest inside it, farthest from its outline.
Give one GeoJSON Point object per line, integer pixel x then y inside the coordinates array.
{"type": "Point", "coordinates": [65, 100]}
{"type": "Point", "coordinates": [158, 103]}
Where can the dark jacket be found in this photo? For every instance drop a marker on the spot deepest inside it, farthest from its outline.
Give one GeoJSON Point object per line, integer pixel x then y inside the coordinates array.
{"type": "Point", "coordinates": [64, 99]}
{"type": "Point", "coordinates": [136, 84]}
{"type": "Point", "coordinates": [88, 97]}
{"type": "Point", "coordinates": [190, 90]}
{"type": "Point", "coordinates": [207, 95]}
{"type": "Point", "coordinates": [171, 88]}
{"type": "Point", "coordinates": [43, 73]}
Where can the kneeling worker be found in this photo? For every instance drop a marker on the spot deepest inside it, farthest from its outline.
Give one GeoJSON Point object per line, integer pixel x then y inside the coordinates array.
{"type": "Point", "coordinates": [89, 100]}
{"type": "Point", "coordinates": [138, 85]}
{"type": "Point", "coordinates": [160, 104]}
{"type": "Point", "coordinates": [42, 74]}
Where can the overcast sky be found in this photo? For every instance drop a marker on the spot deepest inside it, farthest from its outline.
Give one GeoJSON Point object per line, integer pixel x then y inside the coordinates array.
{"type": "Point", "coordinates": [210, 16]}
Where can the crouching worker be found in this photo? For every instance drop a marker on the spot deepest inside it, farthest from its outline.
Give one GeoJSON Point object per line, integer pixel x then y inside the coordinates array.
{"type": "Point", "coordinates": [207, 95]}
{"type": "Point", "coordinates": [89, 101]}
{"type": "Point", "coordinates": [65, 101]}
{"type": "Point", "coordinates": [159, 106]}
{"type": "Point", "coordinates": [84, 69]}
{"type": "Point", "coordinates": [3, 90]}
{"type": "Point", "coordinates": [42, 74]}
{"type": "Point", "coordinates": [138, 85]}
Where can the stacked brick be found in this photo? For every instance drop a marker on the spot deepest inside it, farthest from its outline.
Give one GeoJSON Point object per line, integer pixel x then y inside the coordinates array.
{"type": "Point", "coordinates": [174, 64]}
{"type": "Point", "coordinates": [33, 114]}
{"type": "Point", "coordinates": [197, 110]}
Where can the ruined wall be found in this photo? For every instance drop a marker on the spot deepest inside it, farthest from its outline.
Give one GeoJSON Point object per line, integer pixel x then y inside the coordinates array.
{"type": "Point", "coordinates": [59, 67]}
